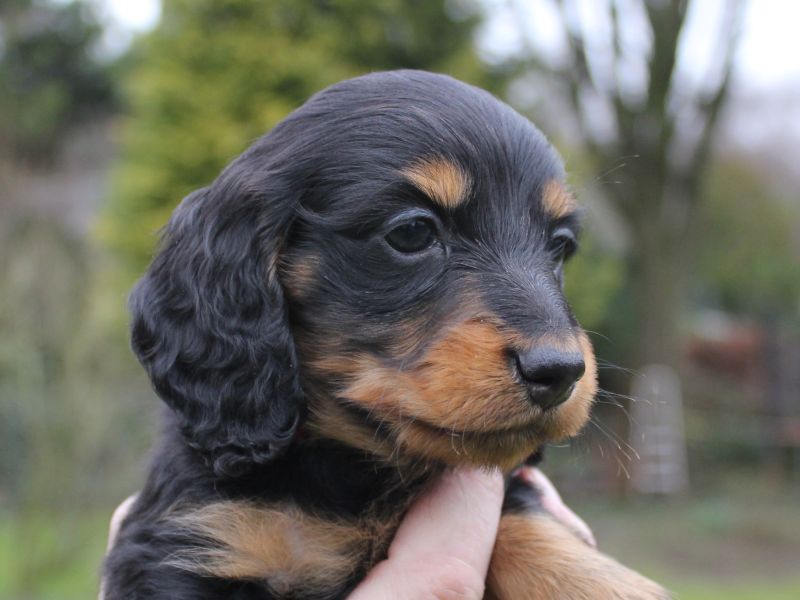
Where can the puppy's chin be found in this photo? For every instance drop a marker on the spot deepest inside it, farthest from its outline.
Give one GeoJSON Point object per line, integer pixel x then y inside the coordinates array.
{"type": "Point", "coordinates": [503, 448]}
{"type": "Point", "coordinates": [409, 440]}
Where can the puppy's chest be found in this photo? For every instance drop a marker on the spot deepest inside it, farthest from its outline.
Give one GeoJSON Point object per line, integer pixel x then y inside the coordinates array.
{"type": "Point", "coordinates": [293, 552]}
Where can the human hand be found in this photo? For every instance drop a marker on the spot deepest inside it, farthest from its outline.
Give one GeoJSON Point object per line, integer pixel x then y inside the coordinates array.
{"type": "Point", "coordinates": [434, 555]}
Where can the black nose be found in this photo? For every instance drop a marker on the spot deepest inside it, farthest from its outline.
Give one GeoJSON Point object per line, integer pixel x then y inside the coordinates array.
{"type": "Point", "coordinates": [549, 373]}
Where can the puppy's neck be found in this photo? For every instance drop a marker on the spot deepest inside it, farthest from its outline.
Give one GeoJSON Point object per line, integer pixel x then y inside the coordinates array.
{"type": "Point", "coordinates": [315, 473]}
{"type": "Point", "coordinates": [356, 479]}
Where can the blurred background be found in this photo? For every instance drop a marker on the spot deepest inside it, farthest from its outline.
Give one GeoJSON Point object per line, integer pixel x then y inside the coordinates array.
{"type": "Point", "coordinates": [680, 125]}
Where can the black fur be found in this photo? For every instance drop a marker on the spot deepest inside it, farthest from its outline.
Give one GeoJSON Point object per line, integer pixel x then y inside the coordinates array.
{"type": "Point", "coordinates": [209, 318]}
{"type": "Point", "coordinates": [213, 328]}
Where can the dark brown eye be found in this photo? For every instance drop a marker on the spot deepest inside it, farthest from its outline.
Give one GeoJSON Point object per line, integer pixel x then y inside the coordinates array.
{"type": "Point", "coordinates": [413, 236]}
{"type": "Point", "coordinates": [563, 245]}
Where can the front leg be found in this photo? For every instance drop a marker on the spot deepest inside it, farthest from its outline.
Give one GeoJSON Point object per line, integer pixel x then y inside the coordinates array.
{"type": "Point", "coordinates": [537, 558]}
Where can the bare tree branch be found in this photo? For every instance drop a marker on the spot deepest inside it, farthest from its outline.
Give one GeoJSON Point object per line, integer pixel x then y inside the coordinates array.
{"type": "Point", "coordinates": [576, 74]}
{"type": "Point", "coordinates": [667, 20]}
{"type": "Point", "coordinates": [622, 112]}
{"type": "Point", "coordinates": [711, 107]}
{"type": "Point", "coordinates": [579, 76]}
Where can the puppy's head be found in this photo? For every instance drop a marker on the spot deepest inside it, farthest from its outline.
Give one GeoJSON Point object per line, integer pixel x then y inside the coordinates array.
{"type": "Point", "coordinates": [388, 259]}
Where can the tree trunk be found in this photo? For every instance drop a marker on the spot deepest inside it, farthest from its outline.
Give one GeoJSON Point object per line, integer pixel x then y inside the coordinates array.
{"type": "Point", "coordinates": [659, 286]}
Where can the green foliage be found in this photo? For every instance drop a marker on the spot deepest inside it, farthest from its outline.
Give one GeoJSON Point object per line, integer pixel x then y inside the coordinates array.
{"type": "Point", "coordinates": [216, 74]}
{"type": "Point", "coordinates": [747, 254]}
{"type": "Point", "coordinates": [39, 299]}
{"type": "Point", "coordinates": [50, 80]}
{"type": "Point", "coordinates": [59, 430]}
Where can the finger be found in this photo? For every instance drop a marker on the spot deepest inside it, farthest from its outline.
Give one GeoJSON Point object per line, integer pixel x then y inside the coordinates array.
{"type": "Point", "coordinates": [113, 529]}
{"type": "Point", "coordinates": [117, 518]}
{"type": "Point", "coordinates": [553, 504]}
{"type": "Point", "coordinates": [445, 542]}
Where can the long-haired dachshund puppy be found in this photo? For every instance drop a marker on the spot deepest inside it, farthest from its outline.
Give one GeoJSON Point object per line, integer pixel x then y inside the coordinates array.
{"type": "Point", "coordinates": [367, 296]}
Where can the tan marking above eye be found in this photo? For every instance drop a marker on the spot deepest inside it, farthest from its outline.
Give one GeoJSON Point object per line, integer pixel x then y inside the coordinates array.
{"type": "Point", "coordinates": [557, 200]}
{"type": "Point", "coordinates": [442, 180]}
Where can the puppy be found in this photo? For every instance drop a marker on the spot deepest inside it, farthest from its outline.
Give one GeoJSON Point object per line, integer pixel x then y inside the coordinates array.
{"type": "Point", "coordinates": [367, 296]}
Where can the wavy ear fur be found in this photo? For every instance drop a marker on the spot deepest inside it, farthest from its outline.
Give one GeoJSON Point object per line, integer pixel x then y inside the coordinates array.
{"type": "Point", "coordinates": [210, 324]}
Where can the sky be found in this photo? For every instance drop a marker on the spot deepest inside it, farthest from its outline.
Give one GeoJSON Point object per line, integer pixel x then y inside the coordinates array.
{"type": "Point", "coordinates": [139, 15]}
{"type": "Point", "coordinates": [768, 57]}
{"type": "Point", "coordinates": [770, 51]}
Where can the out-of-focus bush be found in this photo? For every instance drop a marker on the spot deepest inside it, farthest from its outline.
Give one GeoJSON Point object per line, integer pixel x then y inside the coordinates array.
{"type": "Point", "coordinates": [213, 76]}
{"type": "Point", "coordinates": [748, 249]}
{"type": "Point", "coordinates": [50, 78]}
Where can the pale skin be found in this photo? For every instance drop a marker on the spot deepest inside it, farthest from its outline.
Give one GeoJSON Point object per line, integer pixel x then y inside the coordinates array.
{"type": "Point", "coordinates": [433, 555]}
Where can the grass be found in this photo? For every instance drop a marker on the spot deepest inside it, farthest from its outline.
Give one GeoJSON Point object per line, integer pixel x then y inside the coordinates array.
{"type": "Point", "coordinates": [742, 543]}
{"type": "Point", "coordinates": [47, 556]}
{"type": "Point", "coordinates": [764, 590]}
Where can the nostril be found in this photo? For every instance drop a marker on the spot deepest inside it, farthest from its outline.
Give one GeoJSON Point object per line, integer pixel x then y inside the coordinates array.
{"type": "Point", "coordinates": [549, 373]}
{"type": "Point", "coordinates": [545, 381]}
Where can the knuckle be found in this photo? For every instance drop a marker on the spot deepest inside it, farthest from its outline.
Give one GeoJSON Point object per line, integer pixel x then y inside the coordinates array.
{"type": "Point", "coordinates": [453, 579]}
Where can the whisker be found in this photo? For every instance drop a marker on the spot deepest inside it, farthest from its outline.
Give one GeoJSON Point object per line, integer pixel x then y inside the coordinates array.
{"type": "Point", "coordinates": [621, 445]}
{"type": "Point", "coordinates": [598, 334]}
{"type": "Point", "coordinates": [620, 165]}
{"type": "Point", "coordinates": [604, 364]}
{"type": "Point", "coordinates": [609, 395]}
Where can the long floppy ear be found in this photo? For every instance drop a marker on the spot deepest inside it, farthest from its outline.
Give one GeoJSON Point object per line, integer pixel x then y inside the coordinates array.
{"type": "Point", "coordinates": [210, 325]}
